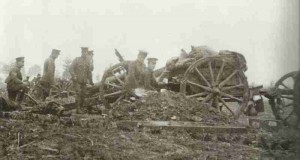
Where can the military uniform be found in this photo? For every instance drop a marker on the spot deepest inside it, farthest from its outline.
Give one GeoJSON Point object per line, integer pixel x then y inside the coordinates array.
{"type": "Point", "coordinates": [136, 69]}
{"type": "Point", "coordinates": [36, 79]}
{"type": "Point", "coordinates": [149, 78]}
{"type": "Point", "coordinates": [15, 87]}
{"type": "Point", "coordinates": [91, 54]}
{"type": "Point", "coordinates": [81, 74]}
{"type": "Point", "coordinates": [37, 88]}
{"type": "Point", "coordinates": [47, 79]}
{"type": "Point", "coordinates": [91, 63]}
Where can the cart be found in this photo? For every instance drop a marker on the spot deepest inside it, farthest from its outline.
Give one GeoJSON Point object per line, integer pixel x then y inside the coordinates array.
{"type": "Point", "coordinates": [216, 79]}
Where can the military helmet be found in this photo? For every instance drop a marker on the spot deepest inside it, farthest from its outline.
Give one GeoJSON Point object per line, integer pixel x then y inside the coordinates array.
{"type": "Point", "coordinates": [18, 59]}
{"type": "Point", "coordinates": [143, 53]}
{"type": "Point", "coordinates": [84, 49]}
{"type": "Point", "coordinates": [55, 51]}
{"type": "Point", "coordinates": [152, 59]}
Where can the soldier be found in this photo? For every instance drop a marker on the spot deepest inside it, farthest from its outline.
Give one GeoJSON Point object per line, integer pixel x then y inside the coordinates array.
{"type": "Point", "coordinates": [47, 79]}
{"type": "Point", "coordinates": [149, 78]}
{"type": "Point", "coordinates": [37, 90]}
{"type": "Point", "coordinates": [136, 71]}
{"type": "Point", "coordinates": [91, 55]}
{"type": "Point", "coordinates": [16, 88]}
{"type": "Point", "coordinates": [91, 63]}
{"type": "Point", "coordinates": [80, 72]}
{"type": "Point", "coordinates": [36, 79]}
{"type": "Point", "coordinates": [27, 79]}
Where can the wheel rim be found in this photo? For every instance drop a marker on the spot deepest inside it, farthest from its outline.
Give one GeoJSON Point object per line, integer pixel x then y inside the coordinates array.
{"type": "Point", "coordinates": [215, 81]}
{"type": "Point", "coordinates": [112, 85]}
{"type": "Point", "coordinates": [285, 101]}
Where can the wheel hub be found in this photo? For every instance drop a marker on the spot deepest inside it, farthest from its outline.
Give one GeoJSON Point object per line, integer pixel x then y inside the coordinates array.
{"type": "Point", "coordinates": [216, 90]}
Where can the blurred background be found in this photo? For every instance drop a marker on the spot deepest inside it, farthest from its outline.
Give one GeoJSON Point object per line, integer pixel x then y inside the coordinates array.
{"type": "Point", "coordinates": [266, 32]}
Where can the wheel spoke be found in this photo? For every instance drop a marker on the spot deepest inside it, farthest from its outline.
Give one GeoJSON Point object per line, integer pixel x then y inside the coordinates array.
{"type": "Point", "coordinates": [288, 105]}
{"type": "Point", "coordinates": [72, 92]}
{"type": "Point", "coordinates": [211, 73]}
{"type": "Point", "coordinates": [224, 103]}
{"type": "Point", "coordinates": [287, 97]}
{"type": "Point", "coordinates": [285, 91]}
{"type": "Point", "coordinates": [228, 78]}
{"type": "Point", "coordinates": [59, 85]}
{"type": "Point", "coordinates": [197, 95]}
{"type": "Point", "coordinates": [113, 94]}
{"type": "Point", "coordinates": [233, 87]}
{"type": "Point", "coordinates": [53, 86]}
{"type": "Point", "coordinates": [231, 96]}
{"type": "Point", "coordinates": [69, 84]}
{"type": "Point", "coordinates": [207, 98]}
{"type": "Point", "coordinates": [220, 72]}
{"type": "Point", "coordinates": [118, 100]}
{"type": "Point", "coordinates": [285, 86]}
{"type": "Point", "coordinates": [64, 86]}
{"type": "Point", "coordinates": [118, 79]}
{"type": "Point", "coordinates": [113, 85]}
{"type": "Point", "coordinates": [199, 85]}
{"type": "Point", "coordinates": [289, 115]}
{"type": "Point", "coordinates": [201, 75]}
{"type": "Point", "coordinates": [53, 92]}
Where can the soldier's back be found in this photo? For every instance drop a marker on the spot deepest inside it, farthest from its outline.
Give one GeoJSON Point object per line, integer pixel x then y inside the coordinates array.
{"type": "Point", "coordinates": [13, 70]}
{"type": "Point", "coordinates": [80, 67]}
{"type": "Point", "coordinates": [49, 70]}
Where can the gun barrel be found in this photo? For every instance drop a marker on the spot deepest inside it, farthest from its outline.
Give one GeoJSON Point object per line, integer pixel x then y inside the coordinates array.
{"type": "Point", "coordinates": [121, 59]}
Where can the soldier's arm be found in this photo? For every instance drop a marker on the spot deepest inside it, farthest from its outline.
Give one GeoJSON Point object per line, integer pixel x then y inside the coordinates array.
{"type": "Point", "coordinates": [147, 80]}
{"type": "Point", "coordinates": [46, 66]}
{"type": "Point", "coordinates": [154, 82]}
{"type": "Point", "coordinates": [72, 69]}
{"type": "Point", "coordinates": [14, 76]}
{"type": "Point", "coordinates": [90, 77]}
{"type": "Point", "coordinates": [51, 66]}
{"type": "Point", "coordinates": [131, 70]}
{"type": "Point", "coordinates": [92, 65]}
{"type": "Point", "coordinates": [130, 80]}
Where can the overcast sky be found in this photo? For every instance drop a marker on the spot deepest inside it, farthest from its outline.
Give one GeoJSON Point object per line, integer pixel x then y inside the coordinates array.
{"type": "Point", "coordinates": [265, 31]}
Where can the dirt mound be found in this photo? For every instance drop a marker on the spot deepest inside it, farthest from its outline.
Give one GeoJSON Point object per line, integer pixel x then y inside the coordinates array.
{"type": "Point", "coordinates": [166, 106]}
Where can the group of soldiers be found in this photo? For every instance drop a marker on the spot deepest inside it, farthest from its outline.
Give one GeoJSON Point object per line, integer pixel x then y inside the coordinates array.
{"type": "Point", "coordinates": [140, 75]}
{"type": "Point", "coordinates": [81, 75]}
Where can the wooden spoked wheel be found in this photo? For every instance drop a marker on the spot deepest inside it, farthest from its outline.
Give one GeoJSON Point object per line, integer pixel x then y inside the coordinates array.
{"type": "Point", "coordinates": [284, 107]}
{"type": "Point", "coordinates": [62, 89]}
{"type": "Point", "coordinates": [297, 96]}
{"type": "Point", "coordinates": [217, 82]}
{"type": "Point", "coordinates": [112, 85]}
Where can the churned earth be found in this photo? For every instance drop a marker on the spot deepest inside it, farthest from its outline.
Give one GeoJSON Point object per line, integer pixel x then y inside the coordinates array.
{"type": "Point", "coordinates": [35, 136]}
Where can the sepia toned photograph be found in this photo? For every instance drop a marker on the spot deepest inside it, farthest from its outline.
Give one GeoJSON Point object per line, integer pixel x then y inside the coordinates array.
{"type": "Point", "coordinates": [150, 79]}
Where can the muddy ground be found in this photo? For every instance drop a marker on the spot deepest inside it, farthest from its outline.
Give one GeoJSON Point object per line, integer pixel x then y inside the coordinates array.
{"type": "Point", "coordinates": [34, 136]}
